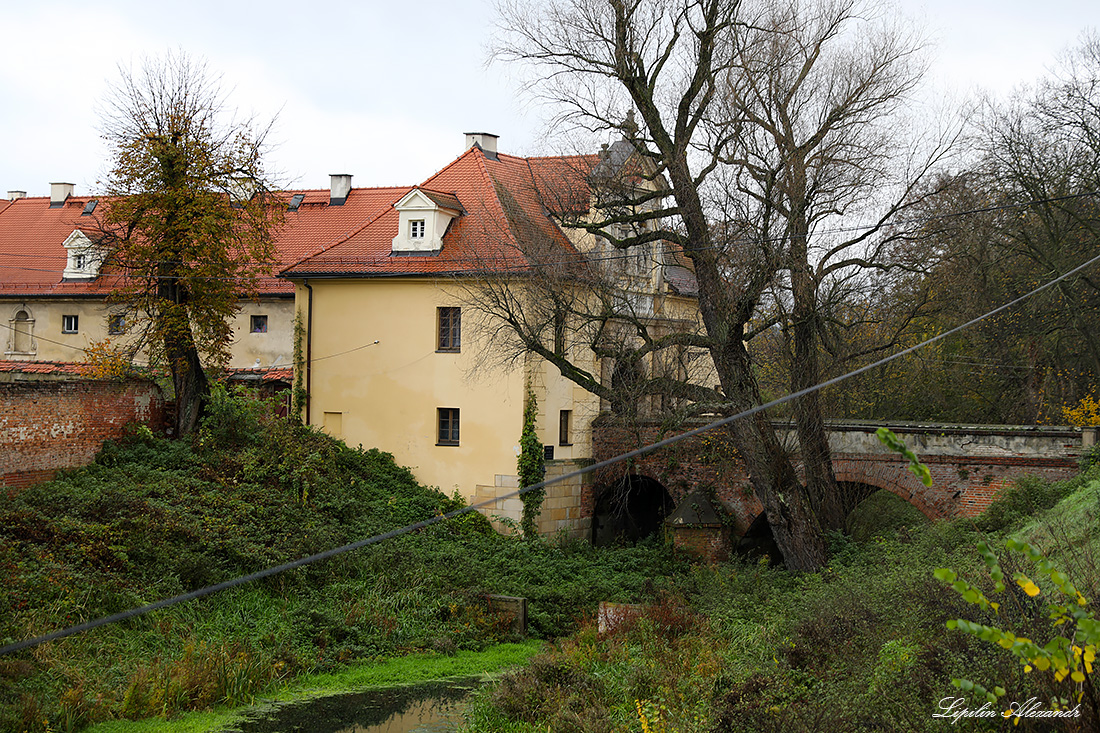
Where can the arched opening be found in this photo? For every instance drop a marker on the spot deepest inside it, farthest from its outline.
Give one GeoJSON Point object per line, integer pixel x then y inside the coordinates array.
{"type": "Point", "coordinates": [758, 541]}
{"type": "Point", "coordinates": [631, 510]}
{"type": "Point", "coordinates": [22, 332]}
{"type": "Point", "coordinates": [882, 513]}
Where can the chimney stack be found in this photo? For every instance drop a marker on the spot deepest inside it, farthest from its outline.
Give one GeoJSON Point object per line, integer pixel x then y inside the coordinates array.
{"type": "Point", "coordinates": [340, 188]}
{"type": "Point", "coordinates": [15, 195]}
{"type": "Point", "coordinates": [59, 192]}
{"type": "Point", "coordinates": [487, 141]}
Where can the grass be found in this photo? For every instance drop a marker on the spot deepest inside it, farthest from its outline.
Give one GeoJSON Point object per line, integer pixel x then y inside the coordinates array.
{"type": "Point", "coordinates": [356, 677]}
{"type": "Point", "coordinates": [861, 645]}
{"type": "Point", "coordinates": [153, 518]}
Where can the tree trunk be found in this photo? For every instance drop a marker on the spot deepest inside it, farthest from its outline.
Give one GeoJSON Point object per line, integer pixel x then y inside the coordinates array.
{"type": "Point", "coordinates": [813, 441]}
{"type": "Point", "coordinates": [188, 378]}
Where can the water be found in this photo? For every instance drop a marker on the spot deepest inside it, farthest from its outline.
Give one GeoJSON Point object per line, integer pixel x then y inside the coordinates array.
{"type": "Point", "coordinates": [431, 707]}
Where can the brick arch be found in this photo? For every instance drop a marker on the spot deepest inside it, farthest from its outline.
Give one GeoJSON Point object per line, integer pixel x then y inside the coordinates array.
{"type": "Point", "coordinates": [893, 477]}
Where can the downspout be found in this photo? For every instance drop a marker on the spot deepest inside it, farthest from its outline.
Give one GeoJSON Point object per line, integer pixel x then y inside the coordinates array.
{"type": "Point", "coordinates": [309, 348]}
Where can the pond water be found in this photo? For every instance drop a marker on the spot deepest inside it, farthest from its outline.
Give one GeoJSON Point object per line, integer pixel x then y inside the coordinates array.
{"type": "Point", "coordinates": [430, 707]}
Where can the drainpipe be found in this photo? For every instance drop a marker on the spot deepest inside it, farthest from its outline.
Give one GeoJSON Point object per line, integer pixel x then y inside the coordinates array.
{"type": "Point", "coordinates": [309, 348]}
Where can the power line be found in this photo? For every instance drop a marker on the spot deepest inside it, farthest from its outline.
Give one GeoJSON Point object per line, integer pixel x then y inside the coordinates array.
{"type": "Point", "coordinates": [193, 595]}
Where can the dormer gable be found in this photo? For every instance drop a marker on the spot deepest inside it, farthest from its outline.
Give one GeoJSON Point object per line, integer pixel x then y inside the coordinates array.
{"type": "Point", "coordinates": [423, 218]}
{"type": "Point", "coordinates": [84, 257]}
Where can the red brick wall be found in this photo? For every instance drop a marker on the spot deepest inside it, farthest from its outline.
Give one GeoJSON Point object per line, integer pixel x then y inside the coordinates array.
{"type": "Point", "coordinates": [50, 425]}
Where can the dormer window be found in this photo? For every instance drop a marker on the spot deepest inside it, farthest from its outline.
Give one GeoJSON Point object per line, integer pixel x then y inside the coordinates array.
{"type": "Point", "coordinates": [423, 218]}
{"type": "Point", "coordinates": [84, 257]}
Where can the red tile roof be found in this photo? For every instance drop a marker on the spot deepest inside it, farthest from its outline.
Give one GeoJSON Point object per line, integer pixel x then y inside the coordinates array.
{"type": "Point", "coordinates": [32, 255]}
{"type": "Point", "coordinates": [504, 202]}
{"type": "Point", "coordinates": [507, 202]}
{"type": "Point", "coordinates": [44, 367]}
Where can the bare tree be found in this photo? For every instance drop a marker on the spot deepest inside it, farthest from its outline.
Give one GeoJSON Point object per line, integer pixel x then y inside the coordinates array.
{"type": "Point", "coordinates": [816, 93]}
{"type": "Point", "coordinates": [602, 59]}
{"type": "Point", "coordinates": [190, 222]}
{"type": "Point", "coordinates": [758, 124]}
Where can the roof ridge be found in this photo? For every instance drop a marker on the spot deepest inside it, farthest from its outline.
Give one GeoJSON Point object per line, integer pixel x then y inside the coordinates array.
{"type": "Point", "coordinates": [341, 238]}
{"type": "Point", "coordinates": [492, 182]}
{"type": "Point", "coordinates": [450, 165]}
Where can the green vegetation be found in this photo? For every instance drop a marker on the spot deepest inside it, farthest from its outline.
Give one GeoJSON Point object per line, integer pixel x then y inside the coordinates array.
{"type": "Point", "coordinates": [397, 671]}
{"type": "Point", "coordinates": [861, 645]}
{"type": "Point", "coordinates": [153, 518]}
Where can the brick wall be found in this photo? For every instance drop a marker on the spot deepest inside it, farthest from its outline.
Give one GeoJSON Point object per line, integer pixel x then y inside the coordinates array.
{"type": "Point", "coordinates": [969, 467]}
{"type": "Point", "coordinates": [51, 425]}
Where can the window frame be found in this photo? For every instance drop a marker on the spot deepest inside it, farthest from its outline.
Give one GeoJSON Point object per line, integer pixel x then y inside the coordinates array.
{"type": "Point", "coordinates": [448, 320]}
{"type": "Point", "coordinates": [418, 228]}
{"type": "Point", "coordinates": [254, 320]}
{"type": "Point", "coordinates": [565, 427]}
{"type": "Point", "coordinates": [116, 324]}
{"type": "Point", "coordinates": [70, 326]}
{"type": "Point", "coordinates": [448, 424]}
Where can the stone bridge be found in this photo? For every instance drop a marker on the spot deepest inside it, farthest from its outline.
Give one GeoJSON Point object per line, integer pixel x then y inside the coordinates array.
{"type": "Point", "coordinates": [970, 464]}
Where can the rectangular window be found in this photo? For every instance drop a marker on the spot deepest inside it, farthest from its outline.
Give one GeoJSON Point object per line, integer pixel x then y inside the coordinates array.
{"type": "Point", "coordinates": [257, 324]}
{"type": "Point", "coordinates": [450, 329]}
{"type": "Point", "coordinates": [116, 324]}
{"type": "Point", "coordinates": [70, 324]}
{"type": "Point", "coordinates": [565, 427]}
{"type": "Point", "coordinates": [448, 426]}
{"type": "Point", "coordinates": [416, 229]}
{"type": "Point", "coordinates": [78, 262]}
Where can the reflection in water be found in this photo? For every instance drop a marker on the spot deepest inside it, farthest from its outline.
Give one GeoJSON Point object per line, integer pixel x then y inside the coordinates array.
{"type": "Point", "coordinates": [433, 707]}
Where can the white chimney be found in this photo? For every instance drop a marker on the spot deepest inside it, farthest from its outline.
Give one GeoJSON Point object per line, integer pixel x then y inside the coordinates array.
{"type": "Point", "coordinates": [58, 193]}
{"type": "Point", "coordinates": [14, 195]}
{"type": "Point", "coordinates": [242, 189]}
{"type": "Point", "coordinates": [487, 141]}
{"type": "Point", "coordinates": [340, 188]}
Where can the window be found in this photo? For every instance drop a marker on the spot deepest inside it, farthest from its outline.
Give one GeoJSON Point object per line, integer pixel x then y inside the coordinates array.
{"type": "Point", "coordinates": [258, 324]}
{"type": "Point", "coordinates": [70, 324]}
{"type": "Point", "coordinates": [416, 229]}
{"type": "Point", "coordinates": [448, 426]}
{"type": "Point", "coordinates": [450, 329]}
{"type": "Point", "coordinates": [116, 324]}
{"type": "Point", "coordinates": [79, 261]}
{"type": "Point", "coordinates": [565, 427]}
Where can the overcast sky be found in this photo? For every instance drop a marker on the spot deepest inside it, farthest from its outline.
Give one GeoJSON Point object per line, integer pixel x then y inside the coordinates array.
{"type": "Point", "coordinates": [379, 90]}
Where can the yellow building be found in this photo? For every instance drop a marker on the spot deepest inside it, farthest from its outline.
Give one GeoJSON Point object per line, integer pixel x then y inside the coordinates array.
{"type": "Point", "coordinates": [403, 352]}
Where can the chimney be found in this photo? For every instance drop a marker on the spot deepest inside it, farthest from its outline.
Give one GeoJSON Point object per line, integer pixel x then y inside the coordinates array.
{"type": "Point", "coordinates": [15, 195]}
{"type": "Point", "coordinates": [58, 193]}
{"type": "Point", "coordinates": [487, 141]}
{"type": "Point", "coordinates": [340, 188]}
{"type": "Point", "coordinates": [242, 189]}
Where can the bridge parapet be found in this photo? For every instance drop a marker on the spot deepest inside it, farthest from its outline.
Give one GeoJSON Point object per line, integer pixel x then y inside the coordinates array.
{"type": "Point", "coordinates": [941, 439]}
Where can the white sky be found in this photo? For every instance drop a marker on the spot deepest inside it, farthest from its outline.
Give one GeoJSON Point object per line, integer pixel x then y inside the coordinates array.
{"type": "Point", "coordinates": [379, 90]}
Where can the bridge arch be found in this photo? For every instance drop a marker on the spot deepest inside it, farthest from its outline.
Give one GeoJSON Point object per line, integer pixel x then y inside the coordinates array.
{"type": "Point", "coordinates": [630, 509]}
{"type": "Point", "coordinates": [859, 482]}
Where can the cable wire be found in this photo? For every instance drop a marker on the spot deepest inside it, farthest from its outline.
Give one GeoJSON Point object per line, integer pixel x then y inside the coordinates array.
{"type": "Point", "coordinates": [232, 583]}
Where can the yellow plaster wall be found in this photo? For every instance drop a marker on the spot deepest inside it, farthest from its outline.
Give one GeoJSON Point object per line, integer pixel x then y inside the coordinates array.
{"type": "Point", "coordinates": [274, 348]}
{"type": "Point", "coordinates": [388, 394]}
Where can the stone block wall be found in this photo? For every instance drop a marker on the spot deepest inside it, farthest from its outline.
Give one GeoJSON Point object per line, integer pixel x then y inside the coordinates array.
{"type": "Point", "coordinates": [50, 425]}
{"type": "Point", "coordinates": [563, 510]}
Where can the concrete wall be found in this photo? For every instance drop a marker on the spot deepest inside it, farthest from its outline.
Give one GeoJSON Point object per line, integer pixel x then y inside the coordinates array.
{"type": "Point", "coordinates": [56, 424]}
